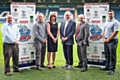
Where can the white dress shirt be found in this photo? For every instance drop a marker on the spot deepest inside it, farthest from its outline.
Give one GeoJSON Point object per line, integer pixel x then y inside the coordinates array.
{"type": "Point", "coordinates": [66, 23]}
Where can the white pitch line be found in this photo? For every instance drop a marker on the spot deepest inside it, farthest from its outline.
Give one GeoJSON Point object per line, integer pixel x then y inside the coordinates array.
{"type": "Point", "coordinates": [67, 74]}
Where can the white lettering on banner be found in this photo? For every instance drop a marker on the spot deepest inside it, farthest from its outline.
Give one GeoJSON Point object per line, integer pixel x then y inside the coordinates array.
{"type": "Point", "coordinates": [95, 60]}
{"type": "Point", "coordinates": [100, 60]}
{"type": "Point", "coordinates": [22, 3]}
{"type": "Point", "coordinates": [30, 61]}
{"type": "Point", "coordinates": [25, 62]}
{"type": "Point", "coordinates": [96, 4]}
{"type": "Point", "coordinates": [20, 62]}
{"type": "Point", "coordinates": [89, 59]}
{"type": "Point", "coordinates": [66, 8]}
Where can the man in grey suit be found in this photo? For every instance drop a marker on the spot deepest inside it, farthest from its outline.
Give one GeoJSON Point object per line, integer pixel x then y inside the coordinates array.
{"type": "Point", "coordinates": [67, 30]}
{"type": "Point", "coordinates": [40, 33]}
{"type": "Point", "coordinates": [82, 35]}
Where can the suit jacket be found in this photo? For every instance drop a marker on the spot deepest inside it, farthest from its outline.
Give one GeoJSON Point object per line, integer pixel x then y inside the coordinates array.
{"type": "Point", "coordinates": [70, 30]}
{"type": "Point", "coordinates": [40, 32]}
{"type": "Point", "coordinates": [83, 34]}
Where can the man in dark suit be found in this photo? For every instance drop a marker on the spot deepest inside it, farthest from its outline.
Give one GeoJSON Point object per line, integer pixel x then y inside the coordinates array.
{"type": "Point", "coordinates": [82, 35]}
{"type": "Point", "coordinates": [67, 30]}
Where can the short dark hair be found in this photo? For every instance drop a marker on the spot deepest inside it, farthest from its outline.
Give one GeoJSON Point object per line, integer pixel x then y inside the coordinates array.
{"type": "Point", "coordinates": [52, 15]}
{"type": "Point", "coordinates": [111, 11]}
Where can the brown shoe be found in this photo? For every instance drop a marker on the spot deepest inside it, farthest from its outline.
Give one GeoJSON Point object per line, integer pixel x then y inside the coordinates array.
{"type": "Point", "coordinates": [39, 69]}
{"type": "Point", "coordinates": [8, 74]}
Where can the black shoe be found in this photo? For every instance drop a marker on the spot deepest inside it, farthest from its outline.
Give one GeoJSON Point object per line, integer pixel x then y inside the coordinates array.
{"type": "Point", "coordinates": [43, 66]}
{"type": "Point", "coordinates": [111, 72]}
{"type": "Point", "coordinates": [84, 69]}
{"type": "Point", "coordinates": [19, 71]}
{"type": "Point", "coordinates": [104, 68]}
{"type": "Point", "coordinates": [53, 66]}
{"type": "Point", "coordinates": [78, 66]}
{"type": "Point", "coordinates": [8, 74]}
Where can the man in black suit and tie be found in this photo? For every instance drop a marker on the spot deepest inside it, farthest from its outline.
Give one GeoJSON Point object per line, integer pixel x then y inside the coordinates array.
{"type": "Point", "coordinates": [82, 35]}
{"type": "Point", "coordinates": [67, 30]}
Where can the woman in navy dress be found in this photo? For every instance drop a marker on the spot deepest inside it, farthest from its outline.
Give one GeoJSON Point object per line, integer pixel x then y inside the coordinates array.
{"type": "Point", "coordinates": [52, 39]}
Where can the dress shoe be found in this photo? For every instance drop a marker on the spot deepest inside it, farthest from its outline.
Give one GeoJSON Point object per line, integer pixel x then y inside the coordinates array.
{"type": "Point", "coordinates": [78, 66]}
{"type": "Point", "coordinates": [8, 74]}
{"type": "Point", "coordinates": [69, 67]}
{"type": "Point", "coordinates": [39, 69]}
{"type": "Point", "coordinates": [18, 71]}
{"type": "Point", "coordinates": [65, 66]}
{"type": "Point", "coordinates": [104, 68]}
{"type": "Point", "coordinates": [111, 72]}
{"type": "Point", "coordinates": [48, 66]}
{"type": "Point", "coordinates": [43, 66]}
{"type": "Point", "coordinates": [84, 69]}
{"type": "Point", "coordinates": [53, 66]}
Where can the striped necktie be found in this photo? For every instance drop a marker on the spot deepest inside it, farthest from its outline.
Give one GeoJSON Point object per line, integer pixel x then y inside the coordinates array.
{"type": "Point", "coordinates": [77, 30]}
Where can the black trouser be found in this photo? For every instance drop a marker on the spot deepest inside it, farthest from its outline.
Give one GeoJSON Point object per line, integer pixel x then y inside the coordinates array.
{"type": "Point", "coordinates": [110, 53]}
{"type": "Point", "coordinates": [68, 53]}
{"type": "Point", "coordinates": [8, 51]}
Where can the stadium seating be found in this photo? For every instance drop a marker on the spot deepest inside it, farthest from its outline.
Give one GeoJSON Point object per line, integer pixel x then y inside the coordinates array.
{"type": "Point", "coordinates": [61, 12]}
{"type": "Point", "coordinates": [117, 14]}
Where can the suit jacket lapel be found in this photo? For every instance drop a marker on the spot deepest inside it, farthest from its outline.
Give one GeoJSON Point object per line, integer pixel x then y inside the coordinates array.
{"type": "Point", "coordinates": [83, 24]}
{"type": "Point", "coordinates": [63, 26]}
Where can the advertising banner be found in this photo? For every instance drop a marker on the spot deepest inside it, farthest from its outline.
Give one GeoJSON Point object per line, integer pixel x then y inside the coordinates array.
{"type": "Point", "coordinates": [96, 15]}
{"type": "Point", "coordinates": [24, 16]}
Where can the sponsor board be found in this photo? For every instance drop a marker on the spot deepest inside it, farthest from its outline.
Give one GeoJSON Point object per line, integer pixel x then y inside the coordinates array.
{"type": "Point", "coordinates": [96, 16]}
{"type": "Point", "coordinates": [24, 16]}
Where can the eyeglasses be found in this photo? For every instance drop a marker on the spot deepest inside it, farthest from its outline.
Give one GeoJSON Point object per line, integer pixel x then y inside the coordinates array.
{"type": "Point", "coordinates": [9, 18]}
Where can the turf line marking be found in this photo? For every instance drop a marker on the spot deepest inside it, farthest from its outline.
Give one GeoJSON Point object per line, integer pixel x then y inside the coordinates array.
{"type": "Point", "coordinates": [67, 74]}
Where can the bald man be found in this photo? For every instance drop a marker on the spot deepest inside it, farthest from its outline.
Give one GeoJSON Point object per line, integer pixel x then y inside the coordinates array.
{"type": "Point", "coordinates": [81, 36]}
{"type": "Point", "coordinates": [11, 36]}
{"type": "Point", "coordinates": [40, 33]}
